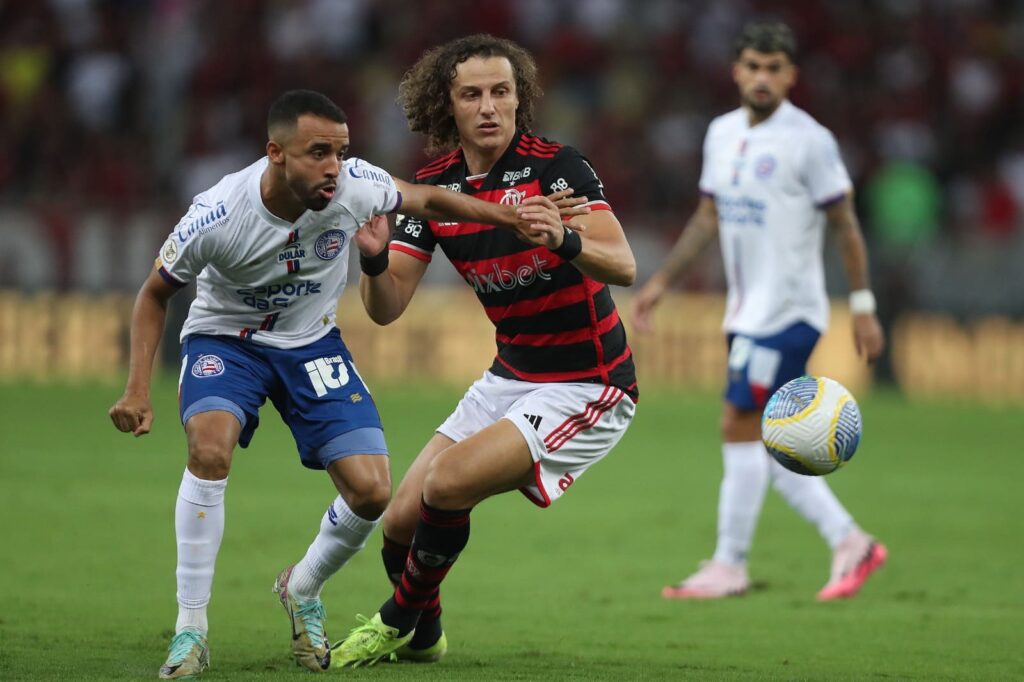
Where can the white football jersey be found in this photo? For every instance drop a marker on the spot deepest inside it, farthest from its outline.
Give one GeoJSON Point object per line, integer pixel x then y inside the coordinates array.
{"type": "Point", "coordinates": [262, 278]}
{"type": "Point", "coordinates": [771, 183]}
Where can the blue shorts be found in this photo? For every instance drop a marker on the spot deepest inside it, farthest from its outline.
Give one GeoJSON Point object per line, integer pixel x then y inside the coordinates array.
{"type": "Point", "coordinates": [315, 388]}
{"type": "Point", "coordinates": [759, 366]}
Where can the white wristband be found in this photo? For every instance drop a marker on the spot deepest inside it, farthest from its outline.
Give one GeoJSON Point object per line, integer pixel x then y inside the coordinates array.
{"type": "Point", "coordinates": [862, 302]}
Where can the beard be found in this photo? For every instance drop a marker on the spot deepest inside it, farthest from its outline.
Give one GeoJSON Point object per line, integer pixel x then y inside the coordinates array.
{"type": "Point", "coordinates": [762, 107]}
{"type": "Point", "coordinates": [310, 196]}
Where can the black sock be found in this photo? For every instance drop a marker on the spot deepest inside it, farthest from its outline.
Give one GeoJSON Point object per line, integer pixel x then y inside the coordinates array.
{"type": "Point", "coordinates": [440, 536]}
{"type": "Point", "coordinates": [428, 630]}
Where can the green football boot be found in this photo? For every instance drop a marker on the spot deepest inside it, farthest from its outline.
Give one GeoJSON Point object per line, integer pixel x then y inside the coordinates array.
{"type": "Point", "coordinates": [368, 644]}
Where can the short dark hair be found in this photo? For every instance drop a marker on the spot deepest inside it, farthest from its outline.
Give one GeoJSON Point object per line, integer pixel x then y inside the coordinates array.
{"type": "Point", "coordinates": [287, 108]}
{"type": "Point", "coordinates": [423, 93]}
{"type": "Point", "coordinates": [767, 37]}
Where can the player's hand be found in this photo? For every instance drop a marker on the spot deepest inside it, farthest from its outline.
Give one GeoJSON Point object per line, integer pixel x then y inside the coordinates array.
{"type": "Point", "coordinates": [132, 413]}
{"type": "Point", "coordinates": [569, 206]}
{"type": "Point", "coordinates": [540, 222]}
{"type": "Point", "coordinates": [539, 219]}
{"type": "Point", "coordinates": [373, 236]}
{"type": "Point", "coordinates": [868, 337]}
{"type": "Point", "coordinates": [644, 302]}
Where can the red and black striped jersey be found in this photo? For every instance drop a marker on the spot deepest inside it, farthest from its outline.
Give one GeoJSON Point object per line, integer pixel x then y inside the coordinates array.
{"type": "Point", "coordinates": [552, 323]}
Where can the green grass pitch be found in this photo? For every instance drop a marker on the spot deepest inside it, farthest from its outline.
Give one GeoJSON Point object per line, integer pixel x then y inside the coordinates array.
{"type": "Point", "coordinates": [567, 593]}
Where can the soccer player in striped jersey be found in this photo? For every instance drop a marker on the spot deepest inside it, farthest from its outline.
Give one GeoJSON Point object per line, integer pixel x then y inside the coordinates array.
{"type": "Point", "coordinates": [771, 183]}
{"type": "Point", "coordinates": [267, 247]}
{"type": "Point", "coordinates": [561, 390]}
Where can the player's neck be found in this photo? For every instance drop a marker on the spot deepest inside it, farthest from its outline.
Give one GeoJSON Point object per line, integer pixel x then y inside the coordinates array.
{"type": "Point", "coordinates": [481, 161]}
{"type": "Point", "coordinates": [278, 199]}
{"type": "Point", "coordinates": [755, 117]}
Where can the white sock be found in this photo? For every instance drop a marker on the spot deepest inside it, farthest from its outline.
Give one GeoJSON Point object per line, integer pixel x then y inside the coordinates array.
{"type": "Point", "coordinates": [341, 535]}
{"type": "Point", "coordinates": [811, 497]}
{"type": "Point", "coordinates": [744, 484]}
{"type": "Point", "coordinates": [199, 527]}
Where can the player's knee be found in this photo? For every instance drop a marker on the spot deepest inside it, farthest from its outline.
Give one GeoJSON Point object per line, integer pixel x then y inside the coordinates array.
{"type": "Point", "coordinates": [740, 425]}
{"type": "Point", "coordinates": [369, 499]}
{"type": "Point", "coordinates": [442, 488]}
{"type": "Point", "coordinates": [209, 460]}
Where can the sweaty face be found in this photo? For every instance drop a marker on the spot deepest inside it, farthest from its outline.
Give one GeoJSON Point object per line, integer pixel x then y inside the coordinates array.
{"type": "Point", "coordinates": [764, 79]}
{"type": "Point", "coordinates": [484, 103]}
{"type": "Point", "coordinates": [313, 154]}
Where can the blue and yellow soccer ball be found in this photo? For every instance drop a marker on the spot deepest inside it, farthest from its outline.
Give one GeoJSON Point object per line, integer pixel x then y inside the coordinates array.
{"type": "Point", "coordinates": [811, 425]}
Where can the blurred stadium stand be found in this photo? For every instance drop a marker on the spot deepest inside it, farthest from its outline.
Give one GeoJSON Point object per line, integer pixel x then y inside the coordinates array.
{"type": "Point", "coordinates": [116, 112]}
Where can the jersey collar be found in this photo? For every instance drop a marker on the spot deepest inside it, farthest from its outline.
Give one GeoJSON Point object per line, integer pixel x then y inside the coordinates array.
{"type": "Point", "coordinates": [256, 199]}
{"type": "Point", "coordinates": [493, 179]}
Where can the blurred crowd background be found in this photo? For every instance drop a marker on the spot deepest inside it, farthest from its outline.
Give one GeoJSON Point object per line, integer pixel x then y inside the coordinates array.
{"type": "Point", "coordinates": [123, 108]}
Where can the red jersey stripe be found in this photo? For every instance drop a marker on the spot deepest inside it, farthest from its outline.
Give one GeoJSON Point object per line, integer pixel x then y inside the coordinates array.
{"type": "Point", "coordinates": [440, 164]}
{"type": "Point", "coordinates": [577, 375]}
{"type": "Point", "coordinates": [561, 338]}
{"type": "Point", "coordinates": [539, 255]}
{"type": "Point", "coordinates": [558, 299]}
{"type": "Point", "coordinates": [457, 229]}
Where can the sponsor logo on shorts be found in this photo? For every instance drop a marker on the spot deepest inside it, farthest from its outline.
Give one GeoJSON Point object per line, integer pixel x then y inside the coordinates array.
{"type": "Point", "coordinates": [534, 419]}
{"type": "Point", "coordinates": [330, 244]}
{"type": "Point", "coordinates": [327, 373]}
{"type": "Point", "coordinates": [207, 366]}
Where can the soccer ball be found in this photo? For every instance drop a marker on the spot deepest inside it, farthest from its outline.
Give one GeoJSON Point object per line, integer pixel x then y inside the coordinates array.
{"type": "Point", "coordinates": [811, 425]}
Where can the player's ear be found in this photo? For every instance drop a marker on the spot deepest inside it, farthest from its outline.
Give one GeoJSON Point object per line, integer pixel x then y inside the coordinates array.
{"type": "Point", "coordinates": [275, 152]}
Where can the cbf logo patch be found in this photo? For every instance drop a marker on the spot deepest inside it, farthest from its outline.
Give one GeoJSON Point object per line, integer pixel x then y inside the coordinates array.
{"type": "Point", "coordinates": [207, 366]}
{"type": "Point", "coordinates": [764, 166]}
{"type": "Point", "coordinates": [170, 251]}
{"type": "Point", "coordinates": [330, 244]}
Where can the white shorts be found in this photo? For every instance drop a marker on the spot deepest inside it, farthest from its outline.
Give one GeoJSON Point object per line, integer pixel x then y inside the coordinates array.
{"type": "Point", "coordinates": [568, 426]}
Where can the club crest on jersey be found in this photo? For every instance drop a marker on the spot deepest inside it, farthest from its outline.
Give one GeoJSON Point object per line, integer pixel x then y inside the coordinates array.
{"type": "Point", "coordinates": [330, 244]}
{"type": "Point", "coordinates": [207, 366]}
{"type": "Point", "coordinates": [512, 197]}
{"type": "Point", "coordinates": [764, 166]}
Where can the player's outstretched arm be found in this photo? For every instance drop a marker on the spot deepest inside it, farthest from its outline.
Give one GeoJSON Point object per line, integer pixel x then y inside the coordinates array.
{"type": "Point", "coordinates": [699, 231]}
{"type": "Point", "coordinates": [134, 412]}
{"type": "Point", "coordinates": [428, 202]}
{"type": "Point", "coordinates": [389, 279]}
{"type": "Point", "coordinates": [868, 337]}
